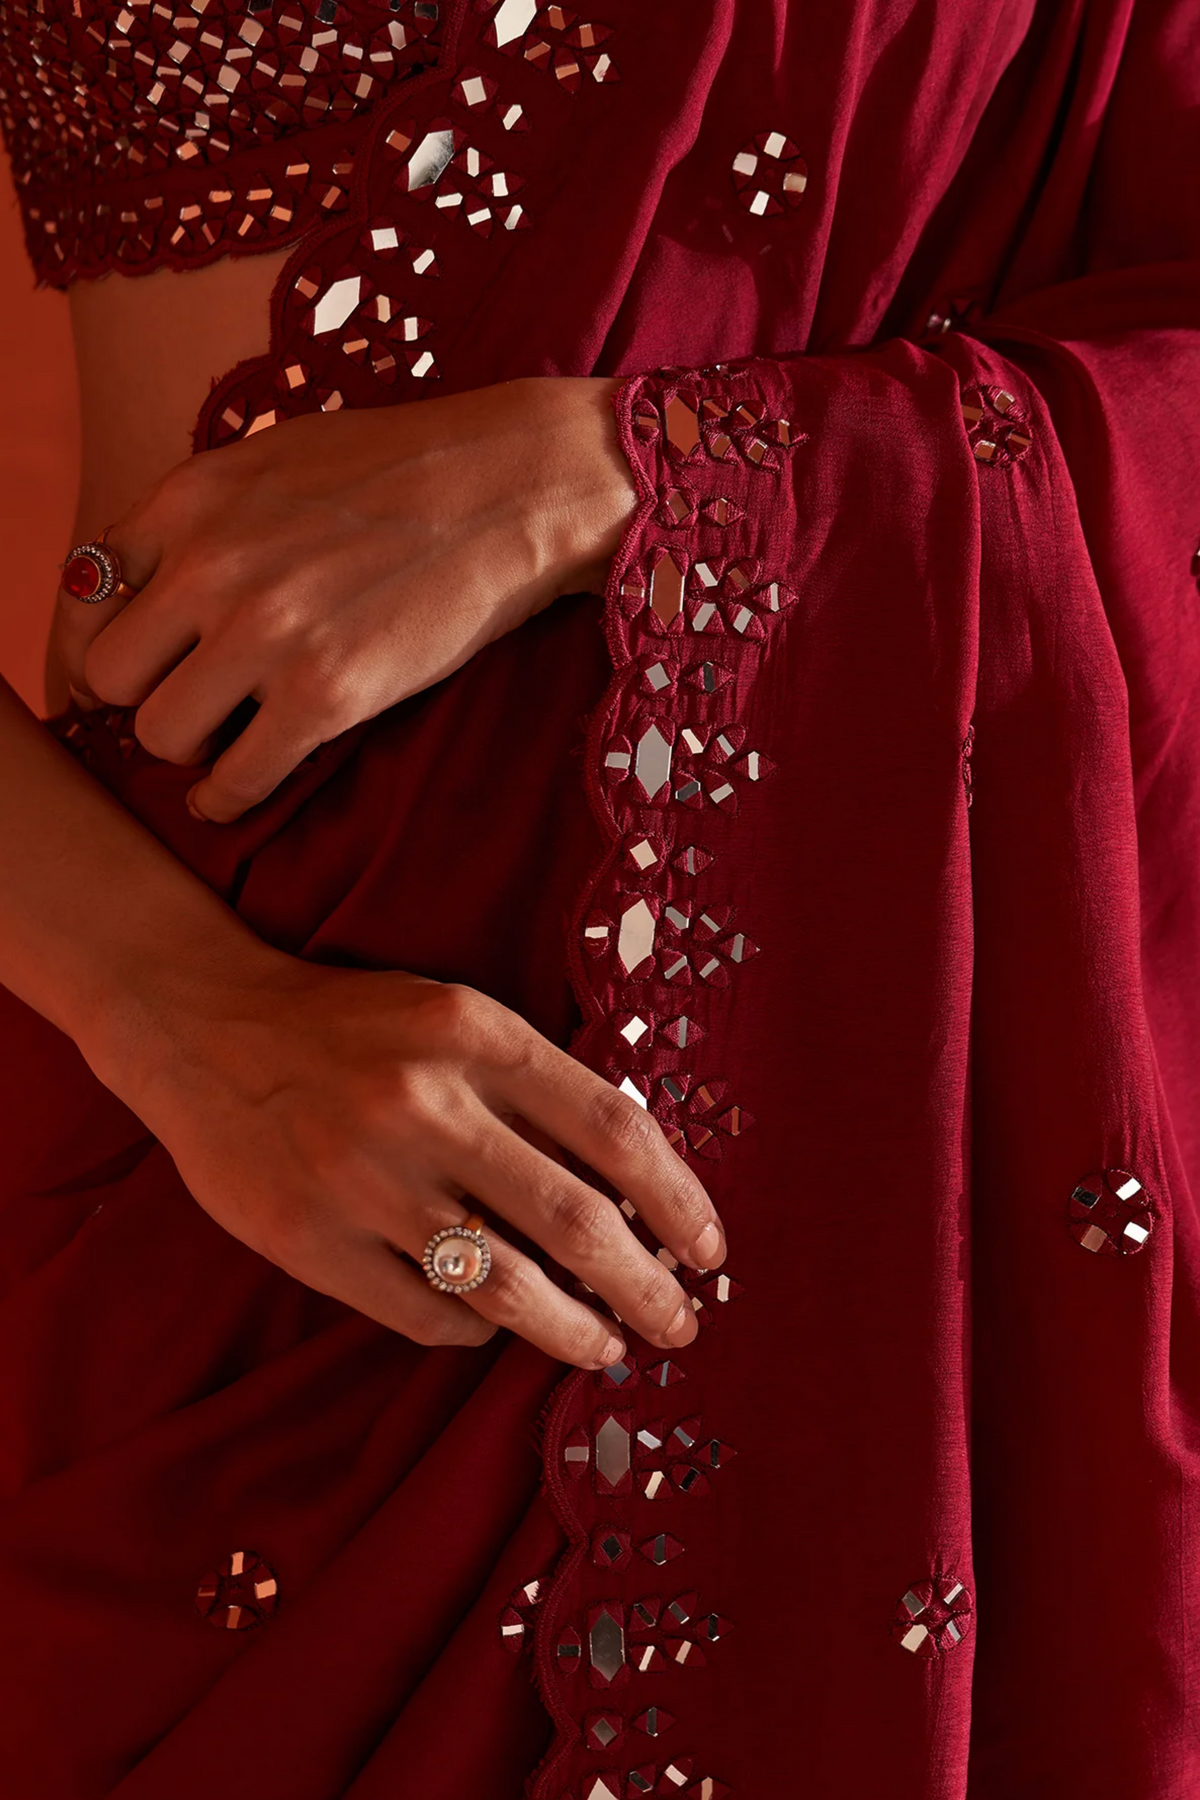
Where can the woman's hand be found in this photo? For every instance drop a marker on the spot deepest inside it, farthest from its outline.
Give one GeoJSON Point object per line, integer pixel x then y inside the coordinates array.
{"type": "Point", "coordinates": [332, 565]}
{"type": "Point", "coordinates": [330, 1118]}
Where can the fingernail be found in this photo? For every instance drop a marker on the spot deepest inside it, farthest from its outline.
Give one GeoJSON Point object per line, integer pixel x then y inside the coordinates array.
{"type": "Point", "coordinates": [683, 1327]}
{"type": "Point", "coordinates": [708, 1249]}
{"type": "Point", "coordinates": [612, 1353]}
{"type": "Point", "coordinates": [195, 810]}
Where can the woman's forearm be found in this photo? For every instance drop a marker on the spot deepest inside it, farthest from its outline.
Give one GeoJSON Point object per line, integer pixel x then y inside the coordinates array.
{"type": "Point", "coordinates": [102, 930]}
{"type": "Point", "coordinates": [329, 1117]}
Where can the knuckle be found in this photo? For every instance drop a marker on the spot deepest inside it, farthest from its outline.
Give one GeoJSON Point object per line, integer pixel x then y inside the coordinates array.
{"type": "Point", "coordinates": [415, 1109]}
{"type": "Point", "coordinates": [508, 1287]}
{"type": "Point", "coordinates": [328, 699]}
{"type": "Point", "coordinates": [628, 1127]}
{"type": "Point", "coordinates": [402, 1100]}
{"type": "Point", "coordinates": [451, 1015]}
{"type": "Point", "coordinates": [271, 611]}
{"type": "Point", "coordinates": [685, 1205]}
{"type": "Point", "coordinates": [188, 483]}
{"type": "Point", "coordinates": [510, 1043]}
{"type": "Point", "coordinates": [580, 1221]}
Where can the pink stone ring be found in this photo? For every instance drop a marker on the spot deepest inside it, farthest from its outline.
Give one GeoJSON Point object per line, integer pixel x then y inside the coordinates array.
{"type": "Point", "coordinates": [458, 1258]}
{"type": "Point", "coordinates": [92, 573]}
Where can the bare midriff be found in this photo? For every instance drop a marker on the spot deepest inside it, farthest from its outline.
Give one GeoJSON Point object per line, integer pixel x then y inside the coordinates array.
{"type": "Point", "coordinates": [148, 349]}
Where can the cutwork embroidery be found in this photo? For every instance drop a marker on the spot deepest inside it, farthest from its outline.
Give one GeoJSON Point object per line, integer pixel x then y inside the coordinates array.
{"type": "Point", "coordinates": [144, 135]}
{"type": "Point", "coordinates": [671, 747]}
{"type": "Point", "coordinates": [693, 426]}
{"type": "Point", "coordinates": [350, 313]}
{"type": "Point", "coordinates": [554, 39]}
{"type": "Point", "coordinates": [475, 190]}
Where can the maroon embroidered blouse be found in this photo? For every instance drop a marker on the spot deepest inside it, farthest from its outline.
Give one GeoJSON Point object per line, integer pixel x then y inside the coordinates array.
{"type": "Point", "coordinates": [142, 134]}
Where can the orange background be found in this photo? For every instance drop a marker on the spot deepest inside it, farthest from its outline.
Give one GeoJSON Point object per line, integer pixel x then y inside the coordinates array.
{"type": "Point", "coordinates": [39, 447]}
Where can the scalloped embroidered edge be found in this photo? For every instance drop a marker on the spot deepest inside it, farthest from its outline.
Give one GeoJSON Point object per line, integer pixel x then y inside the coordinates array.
{"type": "Point", "coordinates": [564, 1395]}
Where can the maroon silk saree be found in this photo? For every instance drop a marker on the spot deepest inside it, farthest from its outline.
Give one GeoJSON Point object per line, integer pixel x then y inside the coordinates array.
{"type": "Point", "coordinates": [855, 831]}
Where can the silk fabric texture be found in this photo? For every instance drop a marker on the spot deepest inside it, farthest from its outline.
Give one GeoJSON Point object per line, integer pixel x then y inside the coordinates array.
{"type": "Point", "coordinates": [939, 1018]}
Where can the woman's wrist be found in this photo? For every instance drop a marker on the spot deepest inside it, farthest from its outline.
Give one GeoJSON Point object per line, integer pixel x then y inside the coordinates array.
{"type": "Point", "coordinates": [585, 491]}
{"type": "Point", "coordinates": [145, 1018]}
{"type": "Point", "coordinates": [102, 930]}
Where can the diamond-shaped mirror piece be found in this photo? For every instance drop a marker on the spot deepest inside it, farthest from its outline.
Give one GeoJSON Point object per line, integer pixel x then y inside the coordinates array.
{"type": "Point", "coordinates": [606, 1645]}
{"type": "Point", "coordinates": [683, 427]}
{"type": "Point", "coordinates": [513, 19]}
{"type": "Point", "coordinates": [612, 1451]}
{"type": "Point", "coordinates": [666, 587]}
{"type": "Point", "coordinates": [336, 304]}
{"type": "Point", "coordinates": [652, 762]}
{"type": "Point", "coordinates": [430, 159]}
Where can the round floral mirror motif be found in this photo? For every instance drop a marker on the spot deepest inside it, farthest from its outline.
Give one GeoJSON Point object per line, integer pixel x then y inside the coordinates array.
{"type": "Point", "coordinates": [769, 174]}
{"type": "Point", "coordinates": [1110, 1213]}
{"type": "Point", "coordinates": [933, 1616]}
{"type": "Point", "coordinates": [240, 1594]}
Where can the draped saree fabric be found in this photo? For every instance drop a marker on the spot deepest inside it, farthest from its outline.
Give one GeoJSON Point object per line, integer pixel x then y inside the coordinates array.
{"type": "Point", "coordinates": [855, 832]}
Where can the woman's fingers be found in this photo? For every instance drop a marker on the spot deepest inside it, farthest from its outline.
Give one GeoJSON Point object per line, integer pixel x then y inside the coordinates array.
{"type": "Point", "coordinates": [140, 645]}
{"type": "Point", "coordinates": [367, 1271]}
{"type": "Point", "coordinates": [80, 623]}
{"type": "Point", "coordinates": [521, 1297]}
{"type": "Point", "coordinates": [276, 741]}
{"type": "Point", "coordinates": [77, 628]}
{"type": "Point", "coordinates": [190, 705]}
{"type": "Point", "coordinates": [583, 1231]}
{"type": "Point", "coordinates": [365, 1274]}
{"type": "Point", "coordinates": [615, 1135]}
